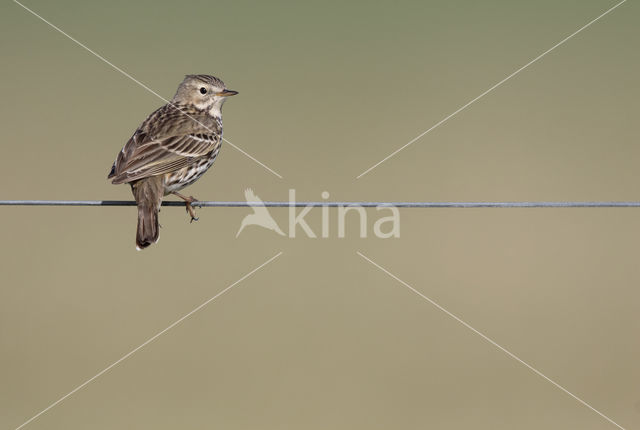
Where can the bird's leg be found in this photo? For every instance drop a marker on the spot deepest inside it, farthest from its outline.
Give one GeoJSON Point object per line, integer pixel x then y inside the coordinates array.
{"type": "Point", "coordinates": [188, 201]}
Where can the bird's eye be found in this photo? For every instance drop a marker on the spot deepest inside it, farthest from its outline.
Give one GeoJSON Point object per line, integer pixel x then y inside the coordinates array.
{"type": "Point", "coordinates": [203, 90]}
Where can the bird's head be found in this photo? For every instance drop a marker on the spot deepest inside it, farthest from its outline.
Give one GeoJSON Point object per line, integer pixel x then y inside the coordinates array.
{"type": "Point", "coordinates": [204, 92]}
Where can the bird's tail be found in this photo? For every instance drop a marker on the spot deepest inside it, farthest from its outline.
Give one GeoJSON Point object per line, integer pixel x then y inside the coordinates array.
{"type": "Point", "coordinates": [148, 193]}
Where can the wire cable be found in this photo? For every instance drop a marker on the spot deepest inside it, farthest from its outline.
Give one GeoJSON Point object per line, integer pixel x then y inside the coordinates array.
{"type": "Point", "coordinates": [275, 204]}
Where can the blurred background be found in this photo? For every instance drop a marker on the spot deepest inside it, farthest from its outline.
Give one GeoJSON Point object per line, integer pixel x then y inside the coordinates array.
{"type": "Point", "coordinates": [319, 338]}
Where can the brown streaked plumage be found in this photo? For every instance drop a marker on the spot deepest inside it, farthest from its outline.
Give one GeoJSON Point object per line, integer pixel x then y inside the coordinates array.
{"type": "Point", "coordinates": [172, 148]}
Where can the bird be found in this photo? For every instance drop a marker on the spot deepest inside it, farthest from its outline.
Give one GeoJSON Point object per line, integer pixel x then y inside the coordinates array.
{"type": "Point", "coordinates": [260, 215]}
{"type": "Point", "coordinates": [172, 149]}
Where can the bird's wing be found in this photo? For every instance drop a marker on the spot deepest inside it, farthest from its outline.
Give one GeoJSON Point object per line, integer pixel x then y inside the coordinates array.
{"type": "Point", "coordinates": [251, 196]}
{"type": "Point", "coordinates": [164, 143]}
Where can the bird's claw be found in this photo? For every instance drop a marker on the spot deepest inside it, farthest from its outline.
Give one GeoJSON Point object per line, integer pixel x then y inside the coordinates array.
{"type": "Point", "coordinates": [191, 212]}
{"type": "Point", "coordinates": [188, 205]}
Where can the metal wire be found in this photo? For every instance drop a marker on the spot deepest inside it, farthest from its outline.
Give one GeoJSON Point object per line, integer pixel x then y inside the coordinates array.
{"type": "Point", "coordinates": [563, 204]}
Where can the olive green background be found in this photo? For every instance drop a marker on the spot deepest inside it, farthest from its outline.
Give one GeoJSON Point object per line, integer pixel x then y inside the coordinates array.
{"type": "Point", "coordinates": [319, 338]}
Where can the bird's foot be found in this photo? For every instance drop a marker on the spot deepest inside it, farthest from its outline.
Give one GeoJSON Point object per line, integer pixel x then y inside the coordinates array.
{"type": "Point", "coordinates": [189, 207]}
{"type": "Point", "coordinates": [191, 211]}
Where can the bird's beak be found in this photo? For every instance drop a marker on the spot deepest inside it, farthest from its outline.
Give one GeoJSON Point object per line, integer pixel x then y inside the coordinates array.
{"type": "Point", "coordinates": [227, 93]}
